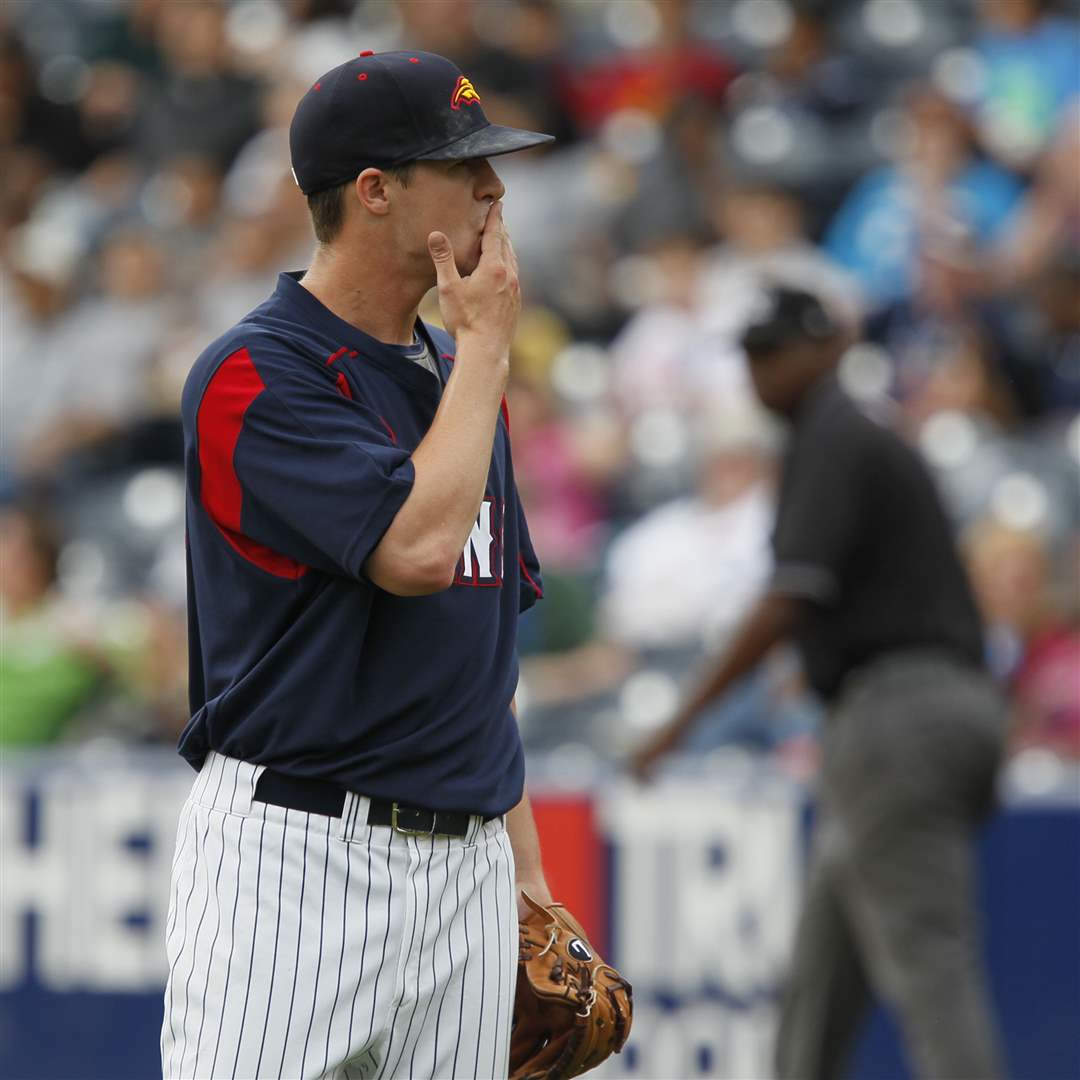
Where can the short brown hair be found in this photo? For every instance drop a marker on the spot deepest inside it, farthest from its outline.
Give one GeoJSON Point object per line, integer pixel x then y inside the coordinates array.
{"type": "Point", "coordinates": [327, 208]}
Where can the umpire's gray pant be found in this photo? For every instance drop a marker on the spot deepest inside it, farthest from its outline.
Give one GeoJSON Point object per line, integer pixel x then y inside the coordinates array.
{"type": "Point", "coordinates": [912, 750]}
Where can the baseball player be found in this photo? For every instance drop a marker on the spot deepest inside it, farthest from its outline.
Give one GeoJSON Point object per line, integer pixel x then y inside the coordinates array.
{"type": "Point", "coordinates": [349, 864]}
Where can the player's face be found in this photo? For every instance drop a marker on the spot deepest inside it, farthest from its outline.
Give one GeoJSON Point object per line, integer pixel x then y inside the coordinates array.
{"type": "Point", "coordinates": [452, 197]}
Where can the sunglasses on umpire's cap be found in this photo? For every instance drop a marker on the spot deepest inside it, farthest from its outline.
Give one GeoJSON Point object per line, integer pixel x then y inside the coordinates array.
{"type": "Point", "coordinates": [384, 109]}
{"type": "Point", "coordinates": [786, 314]}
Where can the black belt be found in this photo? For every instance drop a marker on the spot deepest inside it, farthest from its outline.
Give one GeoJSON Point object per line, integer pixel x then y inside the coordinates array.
{"type": "Point", "coordinates": [321, 797]}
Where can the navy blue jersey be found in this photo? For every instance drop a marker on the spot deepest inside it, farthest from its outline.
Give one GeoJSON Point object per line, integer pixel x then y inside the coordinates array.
{"type": "Point", "coordinates": [298, 433]}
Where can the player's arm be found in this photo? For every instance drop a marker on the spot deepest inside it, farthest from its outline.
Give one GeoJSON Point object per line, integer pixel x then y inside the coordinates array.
{"type": "Point", "coordinates": [529, 870]}
{"type": "Point", "coordinates": [816, 528]}
{"type": "Point", "coordinates": [420, 550]}
{"type": "Point", "coordinates": [773, 618]}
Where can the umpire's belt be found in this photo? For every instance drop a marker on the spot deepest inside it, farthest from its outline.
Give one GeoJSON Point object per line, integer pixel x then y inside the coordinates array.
{"type": "Point", "coordinates": [321, 797]}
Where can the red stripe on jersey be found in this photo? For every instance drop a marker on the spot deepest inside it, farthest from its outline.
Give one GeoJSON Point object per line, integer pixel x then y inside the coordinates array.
{"type": "Point", "coordinates": [234, 386]}
{"type": "Point", "coordinates": [263, 557]}
{"type": "Point", "coordinates": [528, 577]}
{"type": "Point", "coordinates": [336, 355]}
{"type": "Point", "coordinates": [229, 394]}
{"type": "Point", "coordinates": [393, 437]}
{"type": "Point", "coordinates": [343, 386]}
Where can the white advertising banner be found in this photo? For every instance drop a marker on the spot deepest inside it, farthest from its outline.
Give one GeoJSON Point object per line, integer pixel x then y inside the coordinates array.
{"type": "Point", "coordinates": [704, 900]}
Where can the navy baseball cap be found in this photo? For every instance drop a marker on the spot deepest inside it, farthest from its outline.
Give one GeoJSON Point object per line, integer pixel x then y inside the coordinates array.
{"type": "Point", "coordinates": [383, 109]}
{"type": "Point", "coordinates": [785, 313]}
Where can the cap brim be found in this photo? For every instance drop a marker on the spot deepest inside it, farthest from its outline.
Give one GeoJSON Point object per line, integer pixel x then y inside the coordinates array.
{"type": "Point", "coordinates": [491, 141]}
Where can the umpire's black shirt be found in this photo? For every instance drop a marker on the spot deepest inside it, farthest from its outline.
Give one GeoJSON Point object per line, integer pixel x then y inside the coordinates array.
{"type": "Point", "coordinates": [861, 534]}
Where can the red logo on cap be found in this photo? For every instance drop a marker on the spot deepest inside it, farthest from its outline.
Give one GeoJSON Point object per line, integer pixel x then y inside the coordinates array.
{"type": "Point", "coordinates": [464, 93]}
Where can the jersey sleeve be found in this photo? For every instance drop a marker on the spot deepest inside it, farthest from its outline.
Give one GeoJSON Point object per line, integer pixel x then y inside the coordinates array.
{"type": "Point", "coordinates": [817, 521]}
{"type": "Point", "coordinates": [531, 584]}
{"type": "Point", "coordinates": [294, 473]}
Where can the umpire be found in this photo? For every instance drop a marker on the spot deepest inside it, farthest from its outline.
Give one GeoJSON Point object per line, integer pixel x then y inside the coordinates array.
{"type": "Point", "coordinates": [868, 583]}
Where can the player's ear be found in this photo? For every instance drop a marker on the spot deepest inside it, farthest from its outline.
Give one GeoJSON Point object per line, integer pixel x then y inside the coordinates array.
{"type": "Point", "coordinates": [373, 191]}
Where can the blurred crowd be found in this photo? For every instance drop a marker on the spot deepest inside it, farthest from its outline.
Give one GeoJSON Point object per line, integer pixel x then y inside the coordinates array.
{"type": "Point", "coordinates": [918, 165]}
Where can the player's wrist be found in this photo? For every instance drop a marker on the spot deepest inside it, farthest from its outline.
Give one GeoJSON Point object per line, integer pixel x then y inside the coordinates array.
{"type": "Point", "coordinates": [480, 347]}
{"type": "Point", "coordinates": [538, 891]}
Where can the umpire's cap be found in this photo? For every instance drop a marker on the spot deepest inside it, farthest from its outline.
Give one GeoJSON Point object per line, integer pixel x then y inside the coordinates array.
{"type": "Point", "coordinates": [383, 109]}
{"type": "Point", "coordinates": [785, 313]}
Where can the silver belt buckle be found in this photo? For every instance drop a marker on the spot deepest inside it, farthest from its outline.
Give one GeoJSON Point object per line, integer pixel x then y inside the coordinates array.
{"type": "Point", "coordinates": [410, 832]}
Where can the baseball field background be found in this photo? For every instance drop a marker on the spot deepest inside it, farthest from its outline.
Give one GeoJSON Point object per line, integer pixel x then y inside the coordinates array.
{"type": "Point", "coordinates": [917, 164]}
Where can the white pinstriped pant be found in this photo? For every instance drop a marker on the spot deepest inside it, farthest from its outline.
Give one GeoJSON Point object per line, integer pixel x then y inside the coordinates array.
{"type": "Point", "coordinates": [301, 945]}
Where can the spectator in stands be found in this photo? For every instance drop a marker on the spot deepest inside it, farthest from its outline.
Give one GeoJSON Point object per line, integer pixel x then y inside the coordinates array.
{"type": "Point", "coordinates": [182, 199]}
{"type": "Point", "coordinates": [675, 584]}
{"type": "Point", "coordinates": [26, 174]}
{"type": "Point", "coordinates": [49, 665]}
{"type": "Point", "coordinates": [935, 179]}
{"type": "Point", "coordinates": [818, 100]}
{"type": "Point", "coordinates": [680, 349]}
{"type": "Point", "coordinates": [954, 371]}
{"type": "Point", "coordinates": [1039, 340]}
{"type": "Point", "coordinates": [684, 573]}
{"type": "Point", "coordinates": [666, 357]}
{"type": "Point", "coordinates": [1032, 631]}
{"type": "Point", "coordinates": [563, 203]}
{"type": "Point", "coordinates": [1048, 217]}
{"type": "Point", "coordinates": [938, 339]}
{"type": "Point", "coordinates": [109, 108]}
{"type": "Point", "coordinates": [252, 181]}
{"type": "Point", "coordinates": [243, 261]}
{"type": "Point", "coordinates": [567, 515]}
{"type": "Point", "coordinates": [540, 38]}
{"type": "Point", "coordinates": [963, 414]}
{"type": "Point", "coordinates": [1047, 693]}
{"type": "Point", "coordinates": [673, 64]}
{"type": "Point", "coordinates": [88, 378]}
{"type": "Point", "coordinates": [261, 224]}
{"type": "Point", "coordinates": [40, 265]}
{"type": "Point", "coordinates": [1031, 70]}
{"type": "Point", "coordinates": [128, 36]}
{"type": "Point", "coordinates": [807, 73]}
{"type": "Point", "coordinates": [672, 186]}
{"type": "Point", "coordinates": [29, 119]}
{"type": "Point", "coordinates": [317, 32]}
{"type": "Point", "coordinates": [202, 105]}
{"type": "Point", "coordinates": [762, 228]}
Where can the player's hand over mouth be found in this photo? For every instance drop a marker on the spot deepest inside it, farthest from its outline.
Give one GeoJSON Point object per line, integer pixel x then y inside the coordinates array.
{"type": "Point", "coordinates": [481, 308]}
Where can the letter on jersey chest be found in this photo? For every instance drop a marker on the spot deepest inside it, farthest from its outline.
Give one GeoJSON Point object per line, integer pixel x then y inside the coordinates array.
{"type": "Point", "coordinates": [482, 560]}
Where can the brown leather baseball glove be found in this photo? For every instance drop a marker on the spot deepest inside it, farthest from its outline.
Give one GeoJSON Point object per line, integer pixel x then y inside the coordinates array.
{"type": "Point", "coordinates": [571, 1010]}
